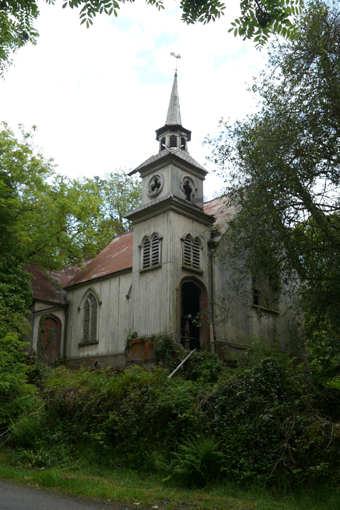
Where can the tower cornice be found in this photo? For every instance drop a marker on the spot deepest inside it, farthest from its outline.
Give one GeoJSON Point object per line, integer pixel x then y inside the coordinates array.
{"type": "Point", "coordinates": [170, 203]}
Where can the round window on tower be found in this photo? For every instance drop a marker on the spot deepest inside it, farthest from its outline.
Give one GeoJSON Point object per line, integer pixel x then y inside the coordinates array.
{"type": "Point", "coordinates": [155, 185]}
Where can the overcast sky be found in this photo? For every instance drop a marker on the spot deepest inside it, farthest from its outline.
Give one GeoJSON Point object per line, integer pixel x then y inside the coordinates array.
{"type": "Point", "coordinates": [97, 95]}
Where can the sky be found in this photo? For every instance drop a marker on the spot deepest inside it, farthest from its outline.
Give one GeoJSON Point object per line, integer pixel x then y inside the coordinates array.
{"type": "Point", "coordinates": [97, 95]}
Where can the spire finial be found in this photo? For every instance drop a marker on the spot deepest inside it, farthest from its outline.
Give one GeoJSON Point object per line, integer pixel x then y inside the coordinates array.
{"type": "Point", "coordinates": [176, 57]}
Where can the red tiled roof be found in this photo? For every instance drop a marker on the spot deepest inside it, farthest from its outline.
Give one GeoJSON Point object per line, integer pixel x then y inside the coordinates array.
{"type": "Point", "coordinates": [116, 257]}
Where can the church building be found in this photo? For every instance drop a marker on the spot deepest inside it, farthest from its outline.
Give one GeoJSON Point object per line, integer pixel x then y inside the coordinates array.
{"type": "Point", "coordinates": [165, 277]}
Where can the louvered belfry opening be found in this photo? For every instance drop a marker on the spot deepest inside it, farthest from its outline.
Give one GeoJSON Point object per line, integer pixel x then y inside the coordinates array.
{"type": "Point", "coordinates": [155, 251]}
{"type": "Point", "coordinates": [196, 254]}
{"type": "Point", "coordinates": [191, 255]}
{"type": "Point", "coordinates": [90, 319]}
{"type": "Point", "coordinates": [151, 252]}
{"type": "Point", "coordinates": [187, 251]}
{"type": "Point", "coordinates": [146, 253]}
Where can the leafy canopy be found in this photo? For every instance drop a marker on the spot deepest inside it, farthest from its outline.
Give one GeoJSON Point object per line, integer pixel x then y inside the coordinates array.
{"type": "Point", "coordinates": [258, 19]}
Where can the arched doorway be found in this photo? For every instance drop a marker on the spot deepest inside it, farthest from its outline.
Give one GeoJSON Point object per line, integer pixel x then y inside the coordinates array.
{"type": "Point", "coordinates": [49, 339]}
{"type": "Point", "coordinates": [193, 314]}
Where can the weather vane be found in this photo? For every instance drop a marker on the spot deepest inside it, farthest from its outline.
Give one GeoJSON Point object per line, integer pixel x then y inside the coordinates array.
{"type": "Point", "coordinates": [176, 57]}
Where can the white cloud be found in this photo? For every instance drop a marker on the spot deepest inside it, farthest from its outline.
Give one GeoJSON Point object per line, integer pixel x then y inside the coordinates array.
{"type": "Point", "coordinates": [98, 95]}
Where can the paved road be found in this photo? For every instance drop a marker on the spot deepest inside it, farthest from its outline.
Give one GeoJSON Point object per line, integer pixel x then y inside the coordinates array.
{"type": "Point", "coordinates": [19, 497]}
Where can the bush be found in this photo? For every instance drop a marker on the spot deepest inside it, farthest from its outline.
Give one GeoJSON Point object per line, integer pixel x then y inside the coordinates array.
{"type": "Point", "coordinates": [168, 351]}
{"type": "Point", "coordinates": [259, 422]}
{"type": "Point", "coordinates": [196, 462]}
{"type": "Point", "coordinates": [25, 432]}
{"type": "Point", "coordinates": [203, 366]}
{"type": "Point", "coordinates": [16, 397]}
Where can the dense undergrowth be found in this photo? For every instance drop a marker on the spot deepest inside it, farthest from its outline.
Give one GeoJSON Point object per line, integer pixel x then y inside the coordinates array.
{"type": "Point", "coordinates": [263, 422]}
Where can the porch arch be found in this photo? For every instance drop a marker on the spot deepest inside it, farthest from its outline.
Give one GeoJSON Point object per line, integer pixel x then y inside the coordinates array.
{"type": "Point", "coordinates": [193, 314]}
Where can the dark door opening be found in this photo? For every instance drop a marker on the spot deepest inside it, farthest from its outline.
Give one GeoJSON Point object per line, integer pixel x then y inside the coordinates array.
{"type": "Point", "coordinates": [190, 315]}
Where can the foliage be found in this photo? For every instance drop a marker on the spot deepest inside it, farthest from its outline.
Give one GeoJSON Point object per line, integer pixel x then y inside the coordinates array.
{"type": "Point", "coordinates": [268, 427]}
{"type": "Point", "coordinates": [58, 221]}
{"type": "Point", "coordinates": [118, 194]}
{"type": "Point", "coordinates": [168, 351]}
{"type": "Point", "coordinates": [15, 296]}
{"type": "Point", "coordinates": [260, 19]}
{"type": "Point", "coordinates": [196, 462]}
{"type": "Point", "coordinates": [16, 28]}
{"type": "Point", "coordinates": [283, 174]}
{"type": "Point", "coordinates": [257, 21]}
{"type": "Point", "coordinates": [258, 423]}
{"type": "Point", "coordinates": [16, 397]}
{"type": "Point", "coordinates": [203, 366]}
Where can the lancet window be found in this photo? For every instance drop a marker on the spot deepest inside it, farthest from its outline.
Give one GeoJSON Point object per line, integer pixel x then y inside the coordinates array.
{"type": "Point", "coordinates": [90, 318]}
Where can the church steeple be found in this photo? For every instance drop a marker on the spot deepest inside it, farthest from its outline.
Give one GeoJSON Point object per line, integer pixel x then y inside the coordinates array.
{"type": "Point", "coordinates": [173, 135]}
{"type": "Point", "coordinates": [174, 111]}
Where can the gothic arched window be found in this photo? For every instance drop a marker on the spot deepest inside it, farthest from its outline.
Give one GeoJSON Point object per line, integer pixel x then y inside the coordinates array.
{"type": "Point", "coordinates": [90, 319]}
{"type": "Point", "coordinates": [191, 252]}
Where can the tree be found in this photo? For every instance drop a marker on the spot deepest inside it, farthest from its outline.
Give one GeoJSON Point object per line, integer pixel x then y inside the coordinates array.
{"type": "Point", "coordinates": [58, 221]}
{"type": "Point", "coordinates": [259, 18]}
{"type": "Point", "coordinates": [284, 171]}
{"type": "Point", "coordinates": [118, 195]}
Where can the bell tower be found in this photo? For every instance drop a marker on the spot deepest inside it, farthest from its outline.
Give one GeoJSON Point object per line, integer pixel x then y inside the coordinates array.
{"type": "Point", "coordinates": [170, 238]}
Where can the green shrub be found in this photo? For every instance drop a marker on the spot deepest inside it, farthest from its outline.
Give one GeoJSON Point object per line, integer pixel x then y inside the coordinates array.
{"type": "Point", "coordinates": [259, 422]}
{"type": "Point", "coordinates": [16, 397]}
{"type": "Point", "coordinates": [203, 366]}
{"type": "Point", "coordinates": [168, 351]}
{"type": "Point", "coordinates": [25, 432]}
{"type": "Point", "coordinates": [197, 462]}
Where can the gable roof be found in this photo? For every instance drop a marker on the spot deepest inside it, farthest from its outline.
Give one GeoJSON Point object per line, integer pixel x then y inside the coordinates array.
{"type": "Point", "coordinates": [117, 256]}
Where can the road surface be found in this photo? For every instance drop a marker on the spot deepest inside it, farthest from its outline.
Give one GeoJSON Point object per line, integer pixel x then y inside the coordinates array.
{"type": "Point", "coordinates": [20, 497]}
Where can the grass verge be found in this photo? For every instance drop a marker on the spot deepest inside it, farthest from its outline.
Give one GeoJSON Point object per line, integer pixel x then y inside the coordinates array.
{"type": "Point", "coordinates": [130, 487]}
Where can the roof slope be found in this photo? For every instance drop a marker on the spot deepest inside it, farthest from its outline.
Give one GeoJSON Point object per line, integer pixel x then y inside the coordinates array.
{"type": "Point", "coordinates": [46, 287]}
{"type": "Point", "coordinates": [222, 210]}
{"type": "Point", "coordinates": [117, 256]}
{"type": "Point", "coordinates": [185, 156]}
